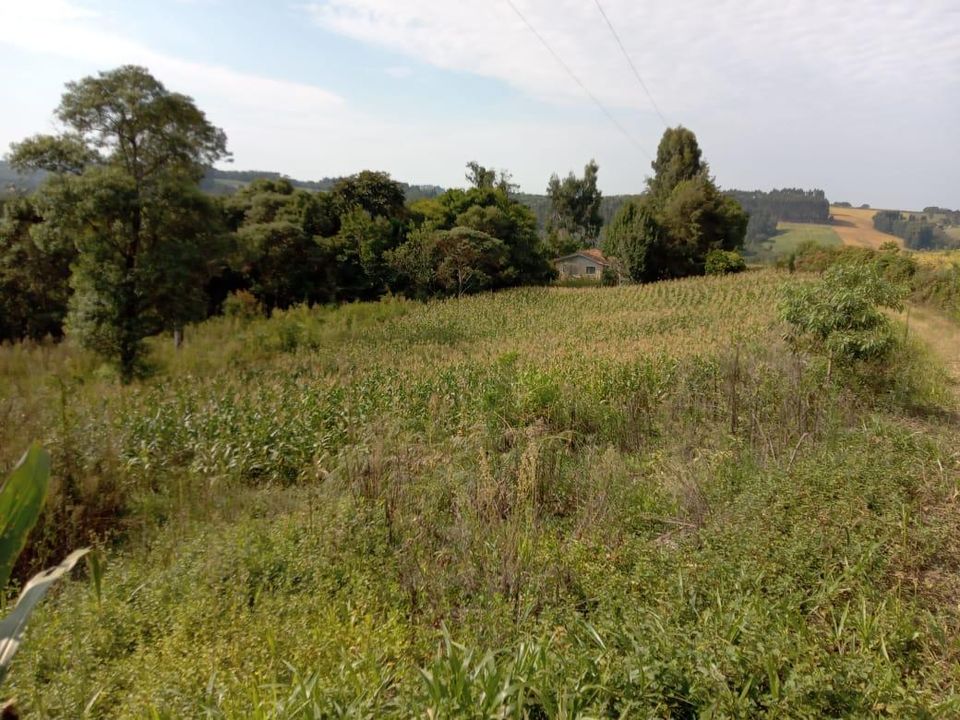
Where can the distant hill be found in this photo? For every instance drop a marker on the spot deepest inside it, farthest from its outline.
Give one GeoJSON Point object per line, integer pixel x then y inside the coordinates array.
{"type": "Point", "coordinates": [216, 182]}
{"type": "Point", "coordinates": [224, 182]}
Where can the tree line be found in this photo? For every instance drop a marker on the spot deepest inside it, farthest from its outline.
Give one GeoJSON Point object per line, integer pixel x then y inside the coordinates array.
{"type": "Point", "coordinates": [917, 233]}
{"type": "Point", "coordinates": [766, 209]}
{"type": "Point", "coordinates": [120, 242]}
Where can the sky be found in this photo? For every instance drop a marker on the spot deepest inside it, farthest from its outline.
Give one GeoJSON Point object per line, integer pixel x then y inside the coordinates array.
{"type": "Point", "coordinates": [858, 97]}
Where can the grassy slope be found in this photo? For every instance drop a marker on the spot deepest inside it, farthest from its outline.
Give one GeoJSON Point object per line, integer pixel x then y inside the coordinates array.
{"type": "Point", "coordinates": [791, 235]}
{"type": "Point", "coordinates": [635, 495]}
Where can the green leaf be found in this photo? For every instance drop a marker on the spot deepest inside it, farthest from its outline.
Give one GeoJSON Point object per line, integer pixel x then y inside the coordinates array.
{"type": "Point", "coordinates": [13, 625]}
{"type": "Point", "coordinates": [21, 499]}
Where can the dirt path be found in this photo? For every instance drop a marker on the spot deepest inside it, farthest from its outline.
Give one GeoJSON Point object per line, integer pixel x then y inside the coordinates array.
{"type": "Point", "coordinates": [855, 227]}
{"type": "Point", "coordinates": [942, 335]}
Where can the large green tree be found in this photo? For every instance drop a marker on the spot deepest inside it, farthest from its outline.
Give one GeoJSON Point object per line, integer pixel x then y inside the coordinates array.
{"type": "Point", "coordinates": [278, 233]}
{"type": "Point", "coordinates": [575, 220]}
{"type": "Point", "coordinates": [668, 231]}
{"type": "Point", "coordinates": [126, 189]}
{"type": "Point", "coordinates": [489, 212]}
{"type": "Point", "coordinates": [451, 262]}
{"type": "Point", "coordinates": [375, 192]}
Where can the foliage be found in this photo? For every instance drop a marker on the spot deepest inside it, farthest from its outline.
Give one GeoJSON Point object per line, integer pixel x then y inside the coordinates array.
{"type": "Point", "coordinates": [21, 500]}
{"type": "Point", "coordinates": [787, 204]}
{"type": "Point", "coordinates": [841, 315]}
{"type": "Point", "coordinates": [931, 280]}
{"type": "Point", "coordinates": [374, 192]}
{"type": "Point", "coordinates": [242, 304]}
{"type": "Point", "coordinates": [34, 273]}
{"type": "Point", "coordinates": [126, 190]}
{"type": "Point", "coordinates": [917, 233]}
{"type": "Point", "coordinates": [450, 261]}
{"type": "Point", "coordinates": [724, 262]}
{"type": "Point", "coordinates": [634, 238]}
{"type": "Point", "coordinates": [277, 255]}
{"type": "Point", "coordinates": [667, 512]}
{"type": "Point", "coordinates": [667, 232]}
{"type": "Point", "coordinates": [482, 178]}
{"type": "Point", "coordinates": [489, 211]}
{"type": "Point", "coordinates": [575, 219]}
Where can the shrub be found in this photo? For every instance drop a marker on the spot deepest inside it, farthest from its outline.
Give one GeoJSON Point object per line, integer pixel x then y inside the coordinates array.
{"type": "Point", "coordinates": [724, 262]}
{"type": "Point", "coordinates": [242, 304]}
{"type": "Point", "coordinates": [841, 314]}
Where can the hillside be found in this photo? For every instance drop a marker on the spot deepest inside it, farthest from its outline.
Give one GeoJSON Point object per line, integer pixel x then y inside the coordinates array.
{"type": "Point", "coordinates": [855, 228]}
{"type": "Point", "coordinates": [634, 495]}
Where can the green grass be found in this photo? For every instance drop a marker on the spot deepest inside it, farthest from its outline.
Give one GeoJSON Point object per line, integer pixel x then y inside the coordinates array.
{"type": "Point", "coordinates": [790, 236]}
{"type": "Point", "coordinates": [536, 503]}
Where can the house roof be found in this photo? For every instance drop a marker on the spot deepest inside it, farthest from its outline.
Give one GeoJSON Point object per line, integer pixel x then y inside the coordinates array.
{"type": "Point", "coordinates": [589, 253]}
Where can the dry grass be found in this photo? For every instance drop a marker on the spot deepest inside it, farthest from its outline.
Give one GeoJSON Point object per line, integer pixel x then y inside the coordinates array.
{"type": "Point", "coordinates": [941, 335]}
{"type": "Point", "coordinates": [855, 227]}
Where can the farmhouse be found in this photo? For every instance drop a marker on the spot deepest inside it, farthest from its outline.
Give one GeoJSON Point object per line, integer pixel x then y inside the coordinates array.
{"type": "Point", "coordinates": [589, 263]}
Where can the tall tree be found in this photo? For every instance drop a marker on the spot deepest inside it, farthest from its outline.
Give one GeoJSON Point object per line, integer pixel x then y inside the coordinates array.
{"type": "Point", "coordinates": [575, 219]}
{"type": "Point", "coordinates": [126, 188]}
{"type": "Point", "coordinates": [483, 178]}
{"type": "Point", "coordinates": [669, 230]}
{"type": "Point", "coordinates": [678, 158]}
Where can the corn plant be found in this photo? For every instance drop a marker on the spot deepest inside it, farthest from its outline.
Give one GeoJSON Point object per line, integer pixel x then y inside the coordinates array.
{"type": "Point", "coordinates": [21, 500]}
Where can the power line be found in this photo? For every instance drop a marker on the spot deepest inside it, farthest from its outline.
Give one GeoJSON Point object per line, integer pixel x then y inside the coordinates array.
{"type": "Point", "coordinates": [636, 73]}
{"type": "Point", "coordinates": [577, 80]}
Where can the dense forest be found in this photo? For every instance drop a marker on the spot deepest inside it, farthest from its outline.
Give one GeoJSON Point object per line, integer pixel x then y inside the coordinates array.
{"type": "Point", "coordinates": [766, 209]}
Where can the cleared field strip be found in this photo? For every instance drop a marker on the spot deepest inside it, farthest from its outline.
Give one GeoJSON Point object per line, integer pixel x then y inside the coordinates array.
{"type": "Point", "coordinates": [855, 227]}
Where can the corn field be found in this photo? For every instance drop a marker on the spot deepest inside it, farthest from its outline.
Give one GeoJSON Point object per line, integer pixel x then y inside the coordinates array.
{"type": "Point", "coordinates": [631, 501]}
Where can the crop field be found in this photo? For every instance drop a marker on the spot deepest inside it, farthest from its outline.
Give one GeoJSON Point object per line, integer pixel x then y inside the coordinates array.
{"type": "Point", "coordinates": [544, 502]}
{"type": "Point", "coordinates": [855, 227]}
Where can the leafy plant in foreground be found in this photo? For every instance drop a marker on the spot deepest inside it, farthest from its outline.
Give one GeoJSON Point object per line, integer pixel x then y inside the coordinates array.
{"type": "Point", "coordinates": [842, 315]}
{"type": "Point", "coordinates": [21, 500]}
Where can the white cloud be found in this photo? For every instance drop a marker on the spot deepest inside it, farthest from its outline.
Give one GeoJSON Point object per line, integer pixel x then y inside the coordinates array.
{"type": "Point", "coordinates": [235, 100]}
{"type": "Point", "coordinates": [399, 72]}
{"type": "Point", "coordinates": [860, 97]}
{"type": "Point", "coordinates": [693, 53]}
{"type": "Point", "coordinates": [845, 95]}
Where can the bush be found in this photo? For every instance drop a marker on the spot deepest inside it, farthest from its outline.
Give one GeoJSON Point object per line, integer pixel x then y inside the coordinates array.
{"type": "Point", "coordinates": [724, 262]}
{"type": "Point", "coordinates": [841, 315]}
{"type": "Point", "coordinates": [242, 304]}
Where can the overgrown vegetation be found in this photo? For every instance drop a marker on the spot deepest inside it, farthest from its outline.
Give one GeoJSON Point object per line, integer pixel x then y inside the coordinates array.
{"type": "Point", "coordinates": [928, 278]}
{"type": "Point", "coordinates": [363, 488]}
{"type": "Point", "coordinates": [396, 509]}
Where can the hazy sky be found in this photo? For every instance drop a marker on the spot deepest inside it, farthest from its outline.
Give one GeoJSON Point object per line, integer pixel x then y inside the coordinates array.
{"type": "Point", "coordinates": [858, 97]}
